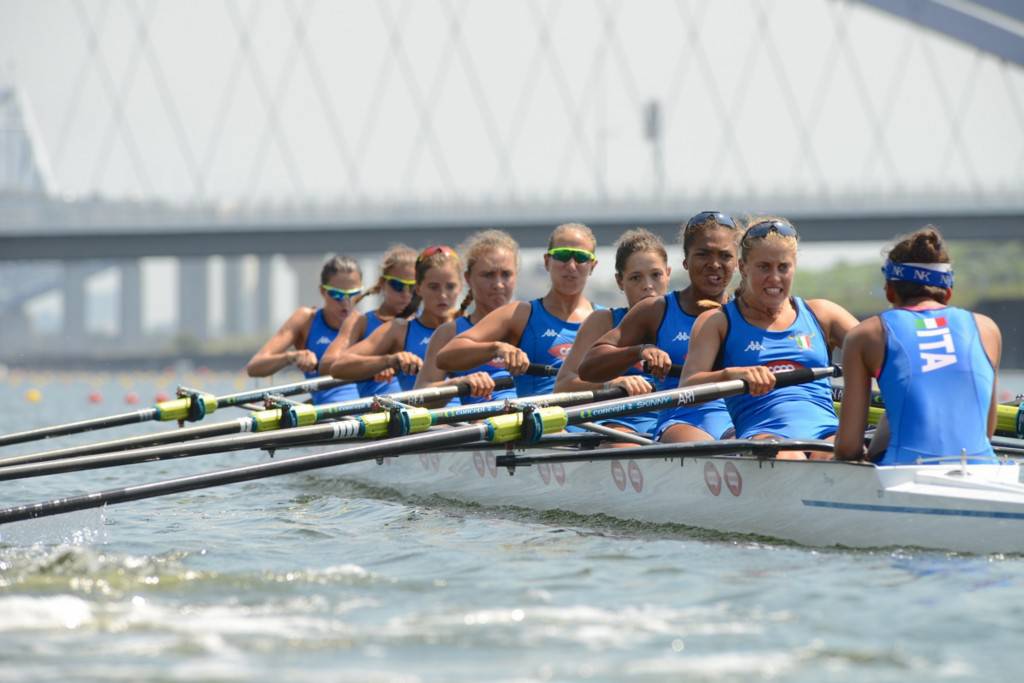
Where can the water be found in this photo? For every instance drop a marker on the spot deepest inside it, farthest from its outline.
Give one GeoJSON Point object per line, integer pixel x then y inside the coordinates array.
{"type": "Point", "coordinates": [312, 578]}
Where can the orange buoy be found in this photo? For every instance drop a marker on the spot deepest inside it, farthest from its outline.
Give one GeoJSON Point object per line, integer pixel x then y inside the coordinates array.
{"type": "Point", "coordinates": [95, 397]}
{"type": "Point", "coordinates": [161, 397]}
{"type": "Point", "coordinates": [131, 398]}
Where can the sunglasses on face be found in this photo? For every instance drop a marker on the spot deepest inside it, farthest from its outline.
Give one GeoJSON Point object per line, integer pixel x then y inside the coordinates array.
{"type": "Point", "coordinates": [762, 229]}
{"type": "Point", "coordinates": [398, 284]}
{"type": "Point", "coordinates": [340, 294]}
{"type": "Point", "coordinates": [716, 216]}
{"type": "Point", "coordinates": [565, 254]}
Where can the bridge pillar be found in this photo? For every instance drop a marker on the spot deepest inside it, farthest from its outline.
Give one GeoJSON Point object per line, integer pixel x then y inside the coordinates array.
{"type": "Point", "coordinates": [235, 303]}
{"type": "Point", "coordinates": [307, 279]}
{"type": "Point", "coordinates": [193, 284]}
{"type": "Point", "coordinates": [262, 296]}
{"type": "Point", "coordinates": [131, 301]}
{"type": "Point", "coordinates": [75, 276]}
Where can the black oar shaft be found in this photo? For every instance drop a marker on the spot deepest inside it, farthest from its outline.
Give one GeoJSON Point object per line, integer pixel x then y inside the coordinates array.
{"type": "Point", "coordinates": [145, 415]}
{"type": "Point", "coordinates": [368, 451]}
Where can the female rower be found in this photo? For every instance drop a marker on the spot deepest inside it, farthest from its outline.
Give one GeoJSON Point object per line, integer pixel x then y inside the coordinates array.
{"type": "Point", "coordinates": [936, 366]}
{"type": "Point", "coordinates": [395, 285]}
{"type": "Point", "coordinates": [765, 330]}
{"type": "Point", "coordinates": [492, 262]}
{"type": "Point", "coordinates": [306, 335]}
{"type": "Point", "coordinates": [642, 273]}
{"type": "Point", "coordinates": [538, 331]}
{"type": "Point", "coordinates": [400, 344]}
{"type": "Point", "coordinates": [657, 330]}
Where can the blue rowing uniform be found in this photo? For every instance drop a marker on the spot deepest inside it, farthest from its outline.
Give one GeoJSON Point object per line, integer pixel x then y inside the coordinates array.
{"type": "Point", "coordinates": [802, 411]}
{"type": "Point", "coordinates": [936, 381]}
{"type": "Point", "coordinates": [546, 340]}
{"type": "Point", "coordinates": [318, 338]}
{"type": "Point", "coordinates": [643, 423]}
{"type": "Point", "coordinates": [417, 338]}
{"type": "Point", "coordinates": [674, 339]}
{"type": "Point", "coordinates": [462, 323]}
{"type": "Point", "coordinates": [371, 387]}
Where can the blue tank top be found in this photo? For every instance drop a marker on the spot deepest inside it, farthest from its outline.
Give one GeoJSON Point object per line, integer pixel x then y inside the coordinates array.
{"type": "Point", "coordinates": [319, 338]}
{"type": "Point", "coordinates": [417, 337]}
{"type": "Point", "coordinates": [936, 381]}
{"type": "Point", "coordinates": [642, 423]}
{"type": "Point", "coordinates": [546, 340]}
{"type": "Point", "coordinates": [674, 339]}
{"type": "Point", "coordinates": [802, 411]}
{"type": "Point", "coordinates": [462, 323]}
{"type": "Point", "coordinates": [371, 387]}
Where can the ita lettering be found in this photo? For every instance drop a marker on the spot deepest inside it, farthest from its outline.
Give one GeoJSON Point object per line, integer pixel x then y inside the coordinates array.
{"type": "Point", "coordinates": [935, 344]}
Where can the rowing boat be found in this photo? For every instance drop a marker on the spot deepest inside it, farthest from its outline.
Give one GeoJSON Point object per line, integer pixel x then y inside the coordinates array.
{"type": "Point", "coordinates": [968, 508]}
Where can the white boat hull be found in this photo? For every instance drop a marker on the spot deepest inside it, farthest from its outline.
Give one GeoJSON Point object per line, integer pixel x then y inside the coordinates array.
{"type": "Point", "coordinates": [978, 508]}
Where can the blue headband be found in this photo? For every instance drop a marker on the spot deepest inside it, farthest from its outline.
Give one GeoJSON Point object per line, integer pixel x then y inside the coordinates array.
{"type": "Point", "coordinates": [932, 274]}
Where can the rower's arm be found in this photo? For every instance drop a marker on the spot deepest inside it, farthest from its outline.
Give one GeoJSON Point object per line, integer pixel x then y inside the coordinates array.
{"type": "Point", "coordinates": [705, 341]}
{"type": "Point", "coordinates": [992, 341]}
{"type": "Point", "coordinates": [430, 375]}
{"type": "Point", "coordinates": [853, 413]}
{"type": "Point", "coordinates": [836, 320]}
{"type": "Point", "coordinates": [282, 350]}
{"type": "Point", "coordinates": [486, 340]}
{"type": "Point", "coordinates": [351, 330]}
{"type": "Point", "coordinates": [380, 351]}
{"type": "Point", "coordinates": [568, 379]}
{"type": "Point", "coordinates": [621, 347]}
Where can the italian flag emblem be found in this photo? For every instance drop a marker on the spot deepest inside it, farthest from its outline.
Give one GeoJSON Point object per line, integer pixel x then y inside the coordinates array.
{"type": "Point", "coordinates": [803, 341]}
{"type": "Point", "coordinates": [930, 323]}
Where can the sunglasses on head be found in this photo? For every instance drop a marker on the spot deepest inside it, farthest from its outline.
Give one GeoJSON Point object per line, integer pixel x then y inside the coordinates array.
{"type": "Point", "coordinates": [436, 249]}
{"type": "Point", "coordinates": [398, 284]}
{"type": "Point", "coordinates": [716, 216]}
{"type": "Point", "coordinates": [340, 294]}
{"type": "Point", "coordinates": [565, 254]}
{"type": "Point", "coordinates": [762, 229]}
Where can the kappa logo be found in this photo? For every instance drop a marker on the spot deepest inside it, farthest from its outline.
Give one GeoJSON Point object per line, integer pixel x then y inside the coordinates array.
{"type": "Point", "coordinates": [324, 340]}
{"type": "Point", "coordinates": [681, 336]}
{"type": "Point", "coordinates": [549, 333]}
{"type": "Point", "coordinates": [754, 346]}
{"type": "Point", "coordinates": [425, 341]}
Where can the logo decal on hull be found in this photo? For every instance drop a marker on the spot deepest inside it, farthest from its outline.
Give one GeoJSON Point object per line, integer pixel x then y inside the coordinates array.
{"type": "Point", "coordinates": [618, 475]}
{"type": "Point", "coordinates": [559, 471]}
{"type": "Point", "coordinates": [733, 479]}
{"type": "Point", "coordinates": [712, 478]}
{"type": "Point", "coordinates": [636, 477]}
{"type": "Point", "coordinates": [478, 463]}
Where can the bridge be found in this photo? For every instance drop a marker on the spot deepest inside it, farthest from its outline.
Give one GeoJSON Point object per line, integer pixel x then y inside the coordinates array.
{"type": "Point", "coordinates": [354, 129]}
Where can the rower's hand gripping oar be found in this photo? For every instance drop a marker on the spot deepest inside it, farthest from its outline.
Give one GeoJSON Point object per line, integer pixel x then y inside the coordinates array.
{"type": "Point", "coordinates": [193, 405]}
{"type": "Point", "coordinates": [499, 429]}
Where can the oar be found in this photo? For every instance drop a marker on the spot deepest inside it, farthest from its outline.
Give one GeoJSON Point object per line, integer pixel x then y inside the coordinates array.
{"type": "Point", "coordinates": [259, 421]}
{"type": "Point", "coordinates": [530, 424]}
{"type": "Point", "coordinates": [1009, 415]}
{"type": "Point", "coordinates": [263, 420]}
{"type": "Point", "coordinates": [192, 406]}
{"type": "Point", "coordinates": [399, 419]}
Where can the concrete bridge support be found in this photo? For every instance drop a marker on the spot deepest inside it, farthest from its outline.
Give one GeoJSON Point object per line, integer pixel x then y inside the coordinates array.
{"type": "Point", "coordinates": [307, 279]}
{"type": "Point", "coordinates": [131, 302]}
{"type": "Point", "coordinates": [236, 304]}
{"type": "Point", "coordinates": [261, 297]}
{"type": "Point", "coordinates": [76, 275]}
{"type": "Point", "coordinates": [193, 308]}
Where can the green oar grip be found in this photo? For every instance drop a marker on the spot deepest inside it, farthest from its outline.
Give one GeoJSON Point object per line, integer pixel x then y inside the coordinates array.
{"type": "Point", "coordinates": [410, 421]}
{"type": "Point", "coordinates": [505, 428]}
{"type": "Point", "coordinates": [192, 408]}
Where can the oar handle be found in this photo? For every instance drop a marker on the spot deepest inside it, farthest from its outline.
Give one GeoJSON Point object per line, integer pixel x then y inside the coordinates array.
{"type": "Point", "coordinates": [500, 383]}
{"type": "Point", "coordinates": [675, 370]}
{"type": "Point", "coordinates": [541, 370]}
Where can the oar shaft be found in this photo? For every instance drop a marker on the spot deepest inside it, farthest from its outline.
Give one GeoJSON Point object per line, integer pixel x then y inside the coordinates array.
{"type": "Point", "coordinates": [305, 387]}
{"type": "Point", "coordinates": [134, 417]}
{"type": "Point", "coordinates": [368, 451]}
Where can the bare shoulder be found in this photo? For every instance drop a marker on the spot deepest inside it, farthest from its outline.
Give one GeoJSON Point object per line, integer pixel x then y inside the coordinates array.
{"type": "Point", "coordinates": [650, 309]}
{"type": "Point", "coordinates": [987, 326]}
{"type": "Point", "coordinates": [869, 329]}
{"type": "Point", "coordinates": [826, 308]}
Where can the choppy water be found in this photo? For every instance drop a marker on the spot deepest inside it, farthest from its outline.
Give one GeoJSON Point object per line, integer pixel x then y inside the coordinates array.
{"type": "Point", "coordinates": [311, 578]}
